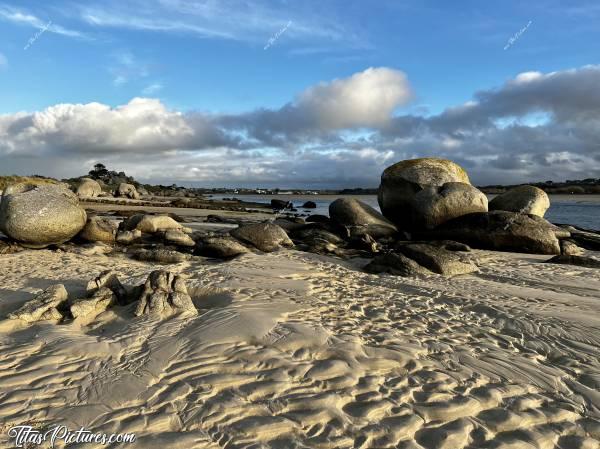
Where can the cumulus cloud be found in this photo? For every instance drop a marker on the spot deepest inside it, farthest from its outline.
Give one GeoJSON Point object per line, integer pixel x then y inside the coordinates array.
{"type": "Point", "coordinates": [340, 133]}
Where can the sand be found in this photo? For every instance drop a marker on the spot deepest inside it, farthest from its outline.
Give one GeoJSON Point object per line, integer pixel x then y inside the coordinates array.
{"type": "Point", "coordinates": [296, 350]}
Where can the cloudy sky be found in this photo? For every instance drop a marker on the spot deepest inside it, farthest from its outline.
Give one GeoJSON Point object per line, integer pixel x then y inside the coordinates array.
{"type": "Point", "coordinates": [299, 94]}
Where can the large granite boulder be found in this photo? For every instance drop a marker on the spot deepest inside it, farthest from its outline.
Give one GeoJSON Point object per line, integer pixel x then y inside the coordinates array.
{"type": "Point", "coordinates": [88, 188]}
{"type": "Point", "coordinates": [499, 230]}
{"type": "Point", "coordinates": [415, 193]}
{"type": "Point", "coordinates": [99, 229]}
{"type": "Point", "coordinates": [43, 306]}
{"type": "Point", "coordinates": [350, 212]}
{"type": "Point", "coordinates": [523, 199]}
{"type": "Point", "coordinates": [127, 191]}
{"type": "Point", "coordinates": [163, 294]}
{"type": "Point", "coordinates": [266, 237]}
{"type": "Point", "coordinates": [40, 215]}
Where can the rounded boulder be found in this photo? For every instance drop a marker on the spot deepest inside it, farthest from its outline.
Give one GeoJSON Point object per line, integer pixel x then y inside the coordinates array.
{"type": "Point", "coordinates": [523, 199]}
{"type": "Point", "coordinates": [88, 188]}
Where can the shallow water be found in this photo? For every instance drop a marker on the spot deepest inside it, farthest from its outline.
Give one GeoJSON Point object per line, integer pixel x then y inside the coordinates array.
{"type": "Point", "coordinates": [578, 210]}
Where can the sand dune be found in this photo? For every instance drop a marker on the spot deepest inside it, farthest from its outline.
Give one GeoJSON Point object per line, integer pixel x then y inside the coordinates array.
{"type": "Point", "coordinates": [295, 350]}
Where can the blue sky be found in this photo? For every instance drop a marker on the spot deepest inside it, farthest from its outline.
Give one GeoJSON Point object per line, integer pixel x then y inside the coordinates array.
{"type": "Point", "coordinates": [251, 108]}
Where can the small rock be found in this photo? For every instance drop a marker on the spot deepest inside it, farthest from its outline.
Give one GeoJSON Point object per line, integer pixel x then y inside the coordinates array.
{"type": "Point", "coordinates": [128, 237]}
{"type": "Point", "coordinates": [8, 247]}
{"type": "Point", "coordinates": [437, 259]}
{"type": "Point", "coordinates": [579, 261]}
{"type": "Point", "coordinates": [160, 256]}
{"type": "Point", "coordinates": [266, 237]}
{"type": "Point", "coordinates": [42, 305]}
{"type": "Point", "coordinates": [309, 205]}
{"type": "Point", "coordinates": [101, 300]}
{"type": "Point", "coordinates": [397, 264]}
{"type": "Point", "coordinates": [179, 238]}
{"type": "Point", "coordinates": [164, 294]}
{"type": "Point", "coordinates": [570, 248]}
{"type": "Point", "coordinates": [108, 279]}
{"type": "Point", "coordinates": [221, 248]}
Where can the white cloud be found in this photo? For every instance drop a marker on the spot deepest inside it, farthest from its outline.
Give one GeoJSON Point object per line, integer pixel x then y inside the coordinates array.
{"type": "Point", "coordinates": [20, 17]}
{"type": "Point", "coordinates": [151, 89]}
{"type": "Point", "coordinates": [3, 61]}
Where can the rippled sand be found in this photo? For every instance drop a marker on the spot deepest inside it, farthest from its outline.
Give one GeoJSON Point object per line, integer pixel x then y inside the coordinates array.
{"type": "Point", "coordinates": [294, 350]}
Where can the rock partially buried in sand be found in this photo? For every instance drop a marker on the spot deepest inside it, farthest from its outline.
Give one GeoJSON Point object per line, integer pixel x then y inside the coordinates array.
{"type": "Point", "coordinates": [267, 237]}
{"type": "Point", "coordinates": [99, 229]}
{"type": "Point", "coordinates": [40, 215]}
{"type": "Point", "coordinates": [221, 248]}
{"type": "Point", "coordinates": [127, 191]}
{"type": "Point", "coordinates": [179, 238]}
{"type": "Point", "coordinates": [161, 255]}
{"type": "Point", "coordinates": [164, 294]}
{"type": "Point", "coordinates": [351, 212]}
{"type": "Point", "coordinates": [403, 181]}
{"type": "Point", "coordinates": [44, 306]}
{"type": "Point", "coordinates": [397, 264]}
{"type": "Point", "coordinates": [128, 237]}
{"type": "Point", "coordinates": [499, 230]}
{"type": "Point", "coordinates": [88, 188]}
{"type": "Point", "coordinates": [437, 259]}
{"type": "Point", "coordinates": [101, 300]}
{"type": "Point", "coordinates": [579, 261]}
{"type": "Point", "coordinates": [150, 223]}
{"type": "Point", "coordinates": [524, 199]}
{"type": "Point", "coordinates": [570, 248]}
{"type": "Point", "coordinates": [108, 279]}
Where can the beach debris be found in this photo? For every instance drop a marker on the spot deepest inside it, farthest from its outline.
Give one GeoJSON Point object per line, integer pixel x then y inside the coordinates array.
{"type": "Point", "coordinates": [99, 229]}
{"type": "Point", "coordinates": [437, 259]}
{"type": "Point", "coordinates": [88, 188]}
{"type": "Point", "coordinates": [580, 261]}
{"type": "Point", "coordinates": [352, 212]}
{"type": "Point", "coordinates": [221, 247]}
{"type": "Point", "coordinates": [523, 199]}
{"type": "Point", "coordinates": [43, 306]}
{"type": "Point", "coordinates": [164, 293]}
{"type": "Point", "coordinates": [40, 215]}
{"type": "Point", "coordinates": [266, 237]}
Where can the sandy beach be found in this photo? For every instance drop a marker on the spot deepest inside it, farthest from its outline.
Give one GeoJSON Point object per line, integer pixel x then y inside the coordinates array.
{"type": "Point", "coordinates": [297, 350]}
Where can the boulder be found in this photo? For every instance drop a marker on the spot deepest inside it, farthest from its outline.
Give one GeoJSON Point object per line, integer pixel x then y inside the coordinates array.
{"type": "Point", "coordinates": [150, 223]}
{"type": "Point", "coordinates": [437, 259]}
{"type": "Point", "coordinates": [100, 300]}
{"type": "Point", "coordinates": [309, 205]}
{"type": "Point", "coordinates": [88, 188]}
{"type": "Point", "coordinates": [127, 191]}
{"type": "Point", "coordinates": [316, 218]}
{"type": "Point", "coordinates": [579, 261]}
{"type": "Point", "coordinates": [40, 215]}
{"type": "Point", "coordinates": [221, 248]}
{"type": "Point", "coordinates": [281, 204]}
{"type": "Point", "coordinates": [498, 230]}
{"type": "Point", "coordinates": [266, 237]}
{"type": "Point", "coordinates": [397, 264]}
{"type": "Point", "coordinates": [179, 238]}
{"type": "Point", "coordinates": [44, 306]}
{"type": "Point", "coordinates": [401, 182]}
{"type": "Point", "coordinates": [160, 255]}
{"type": "Point", "coordinates": [128, 237]}
{"type": "Point", "coordinates": [435, 205]}
{"type": "Point", "coordinates": [351, 212]}
{"type": "Point", "coordinates": [163, 294]}
{"type": "Point", "coordinates": [99, 229]}
{"type": "Point", "coordinates": [523, 199]}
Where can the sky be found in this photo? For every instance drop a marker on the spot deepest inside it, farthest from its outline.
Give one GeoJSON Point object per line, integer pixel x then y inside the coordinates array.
{"type": "Point", "coordinates": [321, 94]}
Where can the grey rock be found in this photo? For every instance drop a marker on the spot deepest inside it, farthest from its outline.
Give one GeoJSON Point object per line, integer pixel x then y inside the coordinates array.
{"type": "Point", "coordinates": [164, 294]}
{"type": "Point", "coordinates": [579, 261]}
{"type": "Point", "coordinates": [127, 191]}
{"type": "Point", "coordinates": [221, 247]}
{"type": "Point", "coordinates": [570, 248]}
{"type": "Point", "coordinates": [266, 237]}
{"type": "Point", "coordinates": [397, 264]}
{"type": "Point", "coordinates": [437, 259]}
{"type": "Point", "coordinates": [88, 188]}
{"type": "Point", "coordinates": [160, 255]}
{"type": "Point", "coordinates": [99, 229]}
{"type": "Point", "coordinates": [40, 215]}
{"type": "Point", "coordinates": [150, 224]}
{"type": "Point", "coordinates": [43, 306]}
{"type": "Point", "coordinates": [100, 300]}
{"type": "Point", "coordinates": [128, 237]}
{"type": "Point", "coordinates": [108, 279]}
{"type": "Point", "coordinates": [352, 212]}
{"type": "Point", "coordinates": [179, 238]}
{"type": "Point", "coordinates": [523, 199]}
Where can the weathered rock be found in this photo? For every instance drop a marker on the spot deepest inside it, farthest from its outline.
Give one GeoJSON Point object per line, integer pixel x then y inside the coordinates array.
{"type": "Point", "coordinates": [351, 212]}
{"type": "Point", "coordinates": [398, 264]}
{"type": "Point", "coordinates": [160, 255]}
{"type": "Point", "coordinates": [44, 306]}
{"type": "Point", "coordinates": [403, 181]}
{"type": "Point", "coordinates": [99, 229]}
{"type": "Point", "coordinates": [498, 230]}
{"type": "Point", "coordinates": [164, 294]}
{"type": "Point", "coordinates": [309, 205]}
{"type": "Point", "coordinates": [290, 224]}
{"type": "Point", "coordinates": [127, 191]}
{"type": "Point", "coordinates": [150, 223]}
{"type": "Point", "coordinates": [585, 239]}
{"type": "Point", "coordinates": [579, 261]}
{"type": "Point", "coordinates": [221, 248]}
{"type": "Point", "coordinates": [40, 215]}
{"type": "Point", "coordinates": [364, 242]}
{"type": "Point", "coordinates": [108, 279]}
{"type": "Point", "coordinates": [570, 248]}
{"type": "Point", "coordinates": [266, 237]}
{"type": "Point", "coordinates": [8, 247]}
{"type": "Point", "coordinates": [523, 199]}
{"type": "Point", "coordinates": [100, 300]}
{"type": "Point", "coordinates": [451, 245]}
{"type": "Point", "coordinates": [179, 238]}
{"type": "Point", "coordinates": [281, 204]}
{"type": "Point", "coordinates": [128, 237]}
{"type": "Point", "coordinates": [435, 205]}
{"type": "Point", "coordinates": [437, 259]}
{"type": "Point", "coordinates": [88, 188]}
{"type": "Point", "coordinates": [311, 233]}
